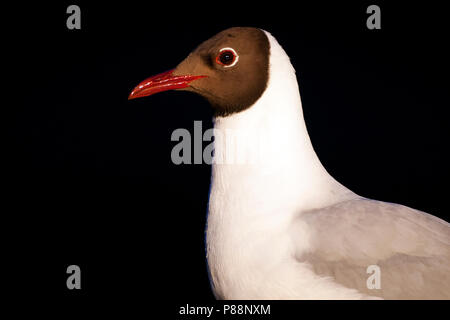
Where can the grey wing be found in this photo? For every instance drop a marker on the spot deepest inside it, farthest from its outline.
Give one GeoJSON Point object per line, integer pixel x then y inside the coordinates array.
{"type": "Point", "coordinates": [410, 247]}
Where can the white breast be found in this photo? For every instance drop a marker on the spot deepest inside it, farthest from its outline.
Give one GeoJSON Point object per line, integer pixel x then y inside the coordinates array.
{"type": "Point", "coordinates": [249, 246]}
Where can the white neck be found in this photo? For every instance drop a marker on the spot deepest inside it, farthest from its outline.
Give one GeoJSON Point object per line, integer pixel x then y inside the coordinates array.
{"type": "Point", "coordinates": [287, 169]}
{"type": "Point", "coordinates": [251, 204]}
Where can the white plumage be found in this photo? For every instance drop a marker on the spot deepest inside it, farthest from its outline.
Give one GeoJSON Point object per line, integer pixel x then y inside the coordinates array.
{"type": "Point", "coordinates": [267, 232]}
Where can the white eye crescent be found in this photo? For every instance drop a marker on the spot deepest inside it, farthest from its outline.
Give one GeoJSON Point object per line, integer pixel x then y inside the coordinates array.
{"type": "Point", "coordinates": [227, 57]}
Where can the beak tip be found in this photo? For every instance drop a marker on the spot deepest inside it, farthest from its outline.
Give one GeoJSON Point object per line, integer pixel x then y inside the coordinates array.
{"type": "Point", "coordinates": [133, 95]}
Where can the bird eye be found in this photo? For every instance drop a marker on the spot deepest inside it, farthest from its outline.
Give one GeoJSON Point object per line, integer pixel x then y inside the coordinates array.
{"type": "Point", "coordinates": [227, 57]}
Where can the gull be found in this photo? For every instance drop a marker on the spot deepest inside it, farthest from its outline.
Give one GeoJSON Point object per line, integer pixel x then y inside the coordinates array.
{"type": "Point", "coordinates": [282, 227]}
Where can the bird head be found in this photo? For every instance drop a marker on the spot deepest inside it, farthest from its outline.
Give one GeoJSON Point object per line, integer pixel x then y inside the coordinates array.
{"type": "Point", "coordinates": [230, 70]}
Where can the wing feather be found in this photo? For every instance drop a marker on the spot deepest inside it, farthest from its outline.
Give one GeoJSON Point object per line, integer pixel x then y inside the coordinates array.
{"type": "Point", "coordinates": [411, 248]}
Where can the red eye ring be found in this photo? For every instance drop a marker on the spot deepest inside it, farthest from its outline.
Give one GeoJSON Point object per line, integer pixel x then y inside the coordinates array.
{"type": "Point", "coordinates": [227, 57]}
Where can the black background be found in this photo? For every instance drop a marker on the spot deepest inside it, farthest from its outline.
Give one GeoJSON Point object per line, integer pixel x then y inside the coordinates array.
{"type": "Point", "coordinates": [88, 174]}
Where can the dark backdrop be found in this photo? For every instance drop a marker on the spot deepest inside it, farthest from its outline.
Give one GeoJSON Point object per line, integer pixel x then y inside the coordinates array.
{"type": "Point", "coordinates": [88, 175]}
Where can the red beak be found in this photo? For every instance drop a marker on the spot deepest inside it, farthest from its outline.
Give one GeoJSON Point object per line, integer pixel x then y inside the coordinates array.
{"type": "Point", "coordinates": [161, 82]}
